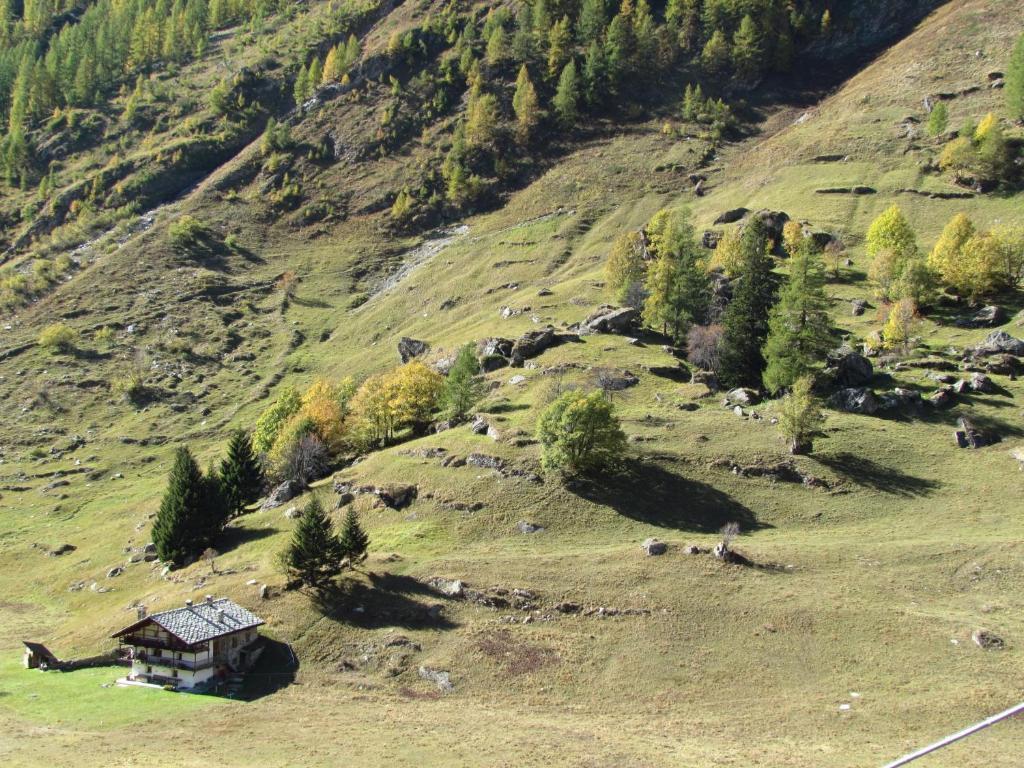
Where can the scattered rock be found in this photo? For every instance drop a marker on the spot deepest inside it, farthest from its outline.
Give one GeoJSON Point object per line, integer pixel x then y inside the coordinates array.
{"type": "Point", "coordinates": [568, 607]}
{"type": "Point", "coordinates": [282, 494]}
{"type": "Point", "coordinates": [394, 495]}
{"type": "Point", "coordinates": [479, 425]}
{"type": "Point", "coordinates": [730, 217]}
{"type": "Point", "coordinates": [979, 382]}
{"type": "Point", "coordinates": [653, 547]}
{"type": "Point", "coordinates": [524, 527]}
{"type": "Point", "coordinates": [899, 399]}
{"type": "Point", "coordinates": [849, 369]}
{"type": "Point", "coordinates": [693, 549]}
{"type": "Point", "coordinates": [855, 400]}
{"type": "Point", "coordinates": [114, 572]}
{"type": "Point", "coordinates": [545, 292]}
{"type": "Point", "coordinates": [999, 342]}
{"type": "Point", "coordinates": [440, 678]}
{"type": "Point", "coordinates": [484, 461]}
{"type": "Point", "coordinates": [411, 348]}
{"type": "Point", "coordinates": [742, 396]}
{"type": "Point", "coordinates": [264, 592]}
{"type": "Point", "coordinates": [986, 317]}
{"type": "Point", "coordinates": [293, 513]}
{"type": "Point", "coordinates": [970, 436]}
{"type": "Point", "coordinates": [516, 380]}
{"type": "Point", "coordinates": [63, 549]}
{"type": "Point", "coordinates": [448, 587]}
{"type": "Point", "coordinates": [988, 641]}
{"type": "Point", "coordinates": [858, 307]}
{"type": "Point", "coordinates": [710, 239]}
{"type": "Point", "coordinates": [608, 319]}
{"type": "Point", "coordinates": [942, 398]}
{"type": "Point", "coordinates": [531, 344]}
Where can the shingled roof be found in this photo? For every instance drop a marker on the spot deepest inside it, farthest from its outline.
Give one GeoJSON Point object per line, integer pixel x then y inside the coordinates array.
{"type": "Point", "coordinates": [201, 622]}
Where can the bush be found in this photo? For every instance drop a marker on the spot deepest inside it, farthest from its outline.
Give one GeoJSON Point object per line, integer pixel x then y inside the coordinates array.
{"type": "Point", "coordinates": [58, 337]}
{"type": "Point", "coordinates": [580, 433]}
{"type": "Point", "coordinates": [187, 231]}
{"type": "Point", "coordinates": [703, 346]}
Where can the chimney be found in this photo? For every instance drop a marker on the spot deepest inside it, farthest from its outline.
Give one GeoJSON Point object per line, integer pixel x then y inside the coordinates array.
{"type": "Point", "coordinates": [220, 617]}
{"type": "Point", "coordinates": [209, 599]}
{"type": "Point", "coordinates": [141, 612]}
{"type": "Point", "coordinates": [188, 603]}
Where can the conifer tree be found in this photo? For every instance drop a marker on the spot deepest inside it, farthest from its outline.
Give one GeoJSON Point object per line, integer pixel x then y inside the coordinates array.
{"type": "Point", "coordinates": [301, 88]}
{"type": "Point", "coordinates": [1015, 81]}
{"type": "Point", "coordinates": [595, 75]}
{"type": "Point", "coordinates": [592, 22]}
{"type": "Point", "coordinates": [746, 318]}
{"type": "Point", "coordinates": [625, 266]}
{"type": "Point", "coordinates": [798, 335]}
{"type": "Point", "coordinates": [715, 56]}
{"type": "Point", "coordinates": [314, 555]}
{"type": "Point", "coordinates": [241, 477]}
{"type": "Point", "coordinates": [526, 106]}
{"type": "Point", "coordinates": [180, 528]}
{"type": "Point", "coordinates": [566, 101]}
{"type": "Point", "coordinates": [619, 48]}
{"type": "Point", "coordinates": [800, 416]}
{"type": "Point", "coordinates": [559, 47]}
{"type": "Point", "coordinates": [462, 387]}
{"type": "Point", "coordinates": [353, 50]}
{"type": "Point", "coordinates": [314, 75]}
{"type": "Point", "coordinates": [353, 539]}
{"type": "Point", "coordinates": [522, 39]}
{"type": "Point", "coordinates": [747, 50]}
{"type": "Point", "coordinates": [677, 285]}
{"type": "Point", "coordinates": [333, 65]}
{"type": "Point", "coordinates": [497, 47]}
{"type": "Point", "coordinates": [938, 119]}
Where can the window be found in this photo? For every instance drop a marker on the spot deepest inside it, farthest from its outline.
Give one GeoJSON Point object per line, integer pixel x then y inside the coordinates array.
{"type": "Point", "coordinates": [149, 670]}
{"type": "Point", "coordinates": [174, 673]}
{"type": "Point", "coordinates": [234, 641]}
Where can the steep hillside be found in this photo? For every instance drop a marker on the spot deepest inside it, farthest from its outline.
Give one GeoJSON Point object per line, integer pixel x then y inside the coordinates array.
{"type": "Point", "coordinates": [848, 641]}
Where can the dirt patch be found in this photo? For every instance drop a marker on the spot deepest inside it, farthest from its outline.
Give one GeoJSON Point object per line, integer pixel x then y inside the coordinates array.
{"type": "Point", "coordinates": [514, 656]}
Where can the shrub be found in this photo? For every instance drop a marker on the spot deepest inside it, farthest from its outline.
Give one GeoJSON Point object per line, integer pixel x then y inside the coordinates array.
{"type": "Point", "coordinates": [580, 433]}
{"type": "Point", "coordinates": [703, 346]}
{"type": "Point", "coordinates": [58, 337]}
{"type": "Point", "coordinates": [800, 416]}
{"type": "Point", "coordinates": [187, 231]}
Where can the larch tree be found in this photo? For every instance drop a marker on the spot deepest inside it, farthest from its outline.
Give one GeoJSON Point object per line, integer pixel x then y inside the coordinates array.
{"type": "Point", "coordinates": [798, 326]}
{"type": "Point", "coordinates": [463, 387]}
{"type": "Point", "coordinates": [800, 416]}
{"type": "Point", "coordinates": [560, 44]}
{"type": "Point", "coordinates": [625, 267]}
{"type": "Point", "coordinates": [526, 106]}
{"type": "Point", "coordinates": [747, 50]}
{"type": "Point", "coordinates": [566, 100]}
{"type": "Point", "coordinates": [716, 54]}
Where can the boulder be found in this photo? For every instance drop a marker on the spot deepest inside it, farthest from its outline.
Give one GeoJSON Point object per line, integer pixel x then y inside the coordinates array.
{"type": "Point", "coordinates": [484, 461]}
{"type": "Point", "coordinates": [114, 572]}
{"type": "Point", "coordinates": [942, 398]}
{"type": "Point", "coordinates": [613, 380]}
{"type": "Point", "coordinates": [607, 319]}
{"type": "Point", "coordinates": [531, 344]}
{"type": "Point", "coordinates": [293, 513]}
{"type": "Point", "coordinates": [411, 348]}
{"type": "Point", "coordinates": [526, 527]}
{"type": "Point", "coordinates": [999, 342]}
{"type": "Point", "coordinates": [986, 317]}
{"type": "Point", "coordinates": [969, 436]}
{"type": "Point", "coordinates": [849, 369]}
{"type": "Point", "coordinates": [986, 640]}
{"type": "Point", "coordinates": [282, 494]}
{"type": "Point", "coordinates": [730, 217]}
{"type": "Point", "coordinates": [742, 396]}
{"type": "Point", "coordinates": [491, 363]}
{"type": "Point", "coordinates": [149, 549]}
{"type": "Point", "coordinates": [264, 592]}
{"type": "Point", "coordinates": [858, 307]}
{"type": "Point", "coordinates": [567, 606]}
{"type": "Point", "coordinates": [448, 587]}
{"type": "Point", "coordinates": [979, 382]}
{"type": "Point", "coordinates": [496, 347]}
{"type": "Point", "coordinates": [479, 426]}
{"type": "Point", "coordinates": [438, 677]}
{"type": "Point", "coordinates": [397, 495]}
{"type": "Point", "coordinates": [855, 400]}
{"type": "Point", "coordinates": [1004, 365]}
{"type": "Point", "coordinates": [899, 399]}
{"type": "Point", "coordinates": [710, 239]}
{"type": "Point", "coordinates": [653, 547]}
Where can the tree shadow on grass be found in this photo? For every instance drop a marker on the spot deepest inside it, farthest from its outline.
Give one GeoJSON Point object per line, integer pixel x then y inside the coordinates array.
{"type": "Point", "coordinates": [275, 669]}
{"type": "Point", "coordinates": [870, 474]}
{"type": "Point", "coordinates": [652, 494]}
{"type": "Point", "coordinates": [384, 600]}
{"type": "Point", "coordinates": [233, 537]}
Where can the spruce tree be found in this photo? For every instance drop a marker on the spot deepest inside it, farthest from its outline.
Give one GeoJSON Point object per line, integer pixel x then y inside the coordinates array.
{"type": "Point", "coordinates": [593, 19]}
{"type": "Point", "coordinates": [595, 75]}
{"type": "Point", "coordinates": [179, 530]}
{"type": "Point", "coordinates": [241, 477]}
{"type": "Point", "coordinates": [462, 387]}
{"type": "Point", "coordinates": [798, 335]}
{"type": "Point", "coordinates": [353, 538]}
{"type": "Point", "coordinates": [314, 555]}
{"type": "Point", "coordinates": [747, 51]}
{"type": "Point", "coordinates": [214, 510]}
{"type": "Point", "coordinates": [559, 47]}
{"type": "Point", "coordinates": [1015, 81]}
{"type": "Point", "coordinates": [746, 318]}
{"type": "Point", "coordinates": [566, 101]}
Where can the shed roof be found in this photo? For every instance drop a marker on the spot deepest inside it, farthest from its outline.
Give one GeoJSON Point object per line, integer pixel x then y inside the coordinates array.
{"type": "Point", "coordinates": [39, 649]}
{"type": "Point", "coordinates": [201, 622]}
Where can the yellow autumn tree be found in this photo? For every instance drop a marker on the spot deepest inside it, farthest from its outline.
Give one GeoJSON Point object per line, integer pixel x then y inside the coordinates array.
{"type": "Point", "coordinates": [900, 325]}
{"type": "Point", "coordinates": [325, 403]}
{"type": "Point", "coordinates": [418, 390]}
{"type": "Point", "coordinates": [792, 236]}
{"type": "Point", "coordinates": [946, 258]}
{"type": "Point", "coordinates": [625, 267]}
{"type": "Point", "coordinates": [728, 255]}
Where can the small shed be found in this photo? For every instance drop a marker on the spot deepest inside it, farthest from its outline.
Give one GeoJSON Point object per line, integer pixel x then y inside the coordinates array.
{"type": "Point", "coordinates": [38, 656]}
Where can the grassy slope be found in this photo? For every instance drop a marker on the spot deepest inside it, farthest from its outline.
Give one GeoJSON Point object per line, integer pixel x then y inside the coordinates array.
{"type": "Point", "coordinates": [919, 545]}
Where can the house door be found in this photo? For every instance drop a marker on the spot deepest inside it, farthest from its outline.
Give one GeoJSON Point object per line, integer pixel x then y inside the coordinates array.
{"type": "Point", "coordinates": [216, 647]}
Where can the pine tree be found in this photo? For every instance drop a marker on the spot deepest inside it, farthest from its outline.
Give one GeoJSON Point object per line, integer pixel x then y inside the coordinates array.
{"type": "Point", "coordinates": [215, 511]}
{"type": "Point", "coordinates": [715, 56]}
{"type": "Point", "coordinates": [180, 529]}
{"type": "Point", "coordinates": [314, 75]}
{"type": "Point", "coordinates": [353, 539]}
{"type": "Point", "coordinates": [462, 387]}
{"type": "Point", "coordinates": [746, 318]}
{"type": "Point", "coordinates": [301, 88]}
{"type": "Point", "coordinates": [497, 47]}
{"type": "Point", "coordinates": [314, 555]}
{"type": "Point", "coordinates": [595, 75]}
{"type": "Point", "coordinates": [619, 48]}
{"type": "Point", "coordinates": [1015, 81]}
{"type": "Point", "coordinates": [526, 106]}
{"type": "Point", "coordinates": [798, 335]}
{"type": "Point", "coordinates": [241, 477]}
{"type": "Point", "coordinates": [566, 101]}
{"type": "Point", "coordinates": [333, 65]}
{"type": "Point", "coordinates": [353, 50]}
{"type": "Point", "coordinates": [522, 39]}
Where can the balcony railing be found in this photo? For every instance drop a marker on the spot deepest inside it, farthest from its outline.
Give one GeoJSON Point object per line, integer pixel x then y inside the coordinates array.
{"type": "Point", "coordinates": [173, 663]}
{"type": "Point", "coordinates": [155, 642]}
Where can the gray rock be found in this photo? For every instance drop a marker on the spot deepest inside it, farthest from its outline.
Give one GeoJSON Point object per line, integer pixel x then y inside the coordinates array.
{"type": "Point", "coordinates": [394, 495]}
{"type": "Point", "coordinates": [516, 380]}
{"type": "Point", "coordinates": [986, 317]}
{"type": "Point", "coordinates": [440, 678]}
{"type": "Point", "coordinates": [979, 382]}
{"type": "Point", "coordinates": [484, 461]}
{"type": "Point", "coordinates": [568, 606]}
{"type": "Point", "coordinates": [531, 344]}
{"type": "Point", "coordinates": [525, 527]}
{"type": "Point", "coordinates": [264, 592]}
{"type": "Point", "coordinates": [282, 494]}
{"type": "Point", "coordinates": [742, 396]}
{"type": "Point", "coordinates": [149, 548]}
{"type": "Point", "coordinates": [999, 342]}
{"type": "Point", "coordinates": [942, 398]}
{"type": "Point", "coordinates": [710, 239]}
{"type": "Point", "coordinates": [855, 400]}
{"type": "Point", "coordinates": [988, 641]}
{"type": "Point", "coordinates": [409, 349]}
{"type": "Point", "coordinates": [497, 346]}
{"type": "Point", "coordinates": [448, 587]}
{"type": "Point", "coordinates": [858, 307]}
{"type": "Point", "coordinates": [970, 436]}
{"type": "Point", "coordinates": [293, 513]}
{"type": "Point", "coordinates": [732, 216]}
{"type": "Point", "coordinates": [654, 547]}
{"type": "Point", "coordinates": [114, 572]}
{"type": "Point", "coordinates": [479, 425]}
{"type": "Point", "coordinates": [608, 319]}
